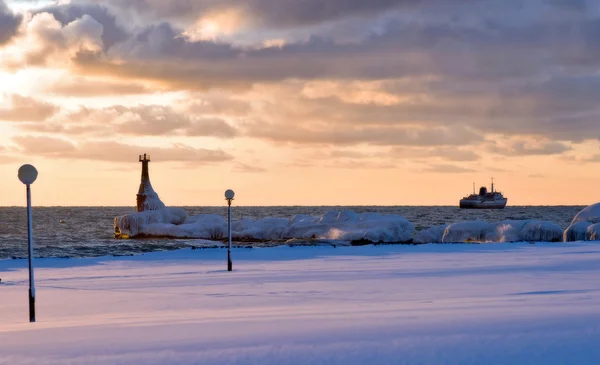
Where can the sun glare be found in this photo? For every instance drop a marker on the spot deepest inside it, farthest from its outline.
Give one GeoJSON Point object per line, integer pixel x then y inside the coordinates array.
{"type": "Point", "coordinates": [217, 24]}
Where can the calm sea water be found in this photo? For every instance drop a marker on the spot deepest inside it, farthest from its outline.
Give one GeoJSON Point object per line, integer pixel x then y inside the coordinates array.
{"type": "Point", "coordinates": [88, 231]}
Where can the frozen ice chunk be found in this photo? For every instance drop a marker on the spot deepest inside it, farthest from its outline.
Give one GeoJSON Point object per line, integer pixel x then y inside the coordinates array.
{"type": "Point", "coordinates": [431, 235]}
{"type": "Point", "coordinates": [504, 231]}
{"type": "Point", "coordinates": [466, 232]}
{"type": "Point", "coordinates": [593, 232]}
{"type": "Point", "coordinates": [132, 224]}
{"type": "Point", "coordinates": [540, 231]}
{"type": "Point", "coordinates": [578, 230]}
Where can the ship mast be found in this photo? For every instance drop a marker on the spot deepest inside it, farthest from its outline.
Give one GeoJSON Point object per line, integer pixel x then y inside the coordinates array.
{"type": "Point", "coordinates": [473, 188]}
{"type": "Point", "coordinates": [492, 185]}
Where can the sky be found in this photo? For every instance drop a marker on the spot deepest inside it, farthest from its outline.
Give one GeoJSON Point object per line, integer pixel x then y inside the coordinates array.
{"type": "Point", "coordinates": [300, 102]}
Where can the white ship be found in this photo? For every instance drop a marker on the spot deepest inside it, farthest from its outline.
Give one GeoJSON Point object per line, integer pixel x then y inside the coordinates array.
{"type": "Point", "coordinates": [484, 200]}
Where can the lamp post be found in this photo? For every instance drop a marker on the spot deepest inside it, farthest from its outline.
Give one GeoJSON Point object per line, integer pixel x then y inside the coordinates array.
{"type": "Point", "coordinates": [229, 194]}
{"type": "Point", "coordinates": [27, 175]}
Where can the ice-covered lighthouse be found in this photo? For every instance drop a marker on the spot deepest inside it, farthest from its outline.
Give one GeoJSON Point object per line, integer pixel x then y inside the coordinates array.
{"type": "Point", "coordinates": [147, 199]}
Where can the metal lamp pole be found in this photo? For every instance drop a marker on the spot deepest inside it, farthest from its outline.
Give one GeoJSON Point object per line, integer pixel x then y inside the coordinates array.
{"type": "Point", "coordinates": [229, 194]}
{"type": "Point", "coordinates": [27, 175]}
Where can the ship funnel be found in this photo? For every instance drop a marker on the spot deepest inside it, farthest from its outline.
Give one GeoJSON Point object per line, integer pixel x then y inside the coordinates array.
{"type": "Point", "coordinates": [482, 191]}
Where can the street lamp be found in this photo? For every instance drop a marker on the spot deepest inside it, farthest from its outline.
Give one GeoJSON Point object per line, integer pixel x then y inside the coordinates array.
{"type": "Point", "coordinates": [27, 175]}
{"type": "Point", "coordinates": [229, 194]}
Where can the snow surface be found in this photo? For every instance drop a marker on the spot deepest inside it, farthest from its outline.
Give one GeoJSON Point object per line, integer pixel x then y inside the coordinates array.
{"type": "Point", "coordinates": [429, 304]}
{"type": "Point", "coordinates": [345, 225]}
{"type": "Point", "coordinates": [584, 226]}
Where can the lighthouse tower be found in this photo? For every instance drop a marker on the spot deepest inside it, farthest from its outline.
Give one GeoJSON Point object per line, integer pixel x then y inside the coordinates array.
{"type": "Point", "coordinates": [145, 186]}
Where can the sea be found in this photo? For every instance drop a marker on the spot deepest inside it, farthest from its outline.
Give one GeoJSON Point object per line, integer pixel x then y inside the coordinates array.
{"type": "Point", "coordinates": [66, 232]}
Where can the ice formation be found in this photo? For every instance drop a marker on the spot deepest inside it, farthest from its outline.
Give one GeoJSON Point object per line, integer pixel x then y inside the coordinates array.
{"type": "Point", "coordinates": [504, 231]}
{"type": "Point", "coordinates": [151, 201]}
{"type": "Point", "coordinates": [585, 226]}
{"type": "Point", "coordinates": [431, 234]}
{"type": "Point", "coordinates": [346, 225]}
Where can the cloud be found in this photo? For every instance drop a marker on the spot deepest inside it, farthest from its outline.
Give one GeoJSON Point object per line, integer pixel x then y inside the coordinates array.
{"type": "Point", "coordinates": [582, 159]}
{"type": "Point", "coordinates": [109, 151]}
{"type": "Point", "coordinates": [142, 120]}
{"type": "Point", "coordinates": [216, 104]}
{"type": "Point", "coordinates": [447, 169]}
{"type": "Point", "coordinates": [447, 153]}
{"type": "Point", "coordinates": [360, 164]}
{"type": "Point", "coordinates": [45, 146]}
{"type": "Point", "coordinates": [9, 159]}
{"type": "Point", "coordinates": [80, 86]}
{"type": "Point", "coordinates": [112, 31]}
{"type": "Point", "coordinates": [392, 136]}
{"type": "Point", "coordinates": [523, 147]}
{"type": "Point", "coordinates": [266, 13]}
{"type": "Point", "coordinates": [245, 168]}
{"type": "Point", "coordinates": [26, 109]}
{"type": "Point", "coordinates": [9, 23]}
{"type": "Point", "coordinates": [214, 127]}
{"type": "Point", "coordinates": [446, 73]}
{"type": "Point", "coordinates": [45, 41]}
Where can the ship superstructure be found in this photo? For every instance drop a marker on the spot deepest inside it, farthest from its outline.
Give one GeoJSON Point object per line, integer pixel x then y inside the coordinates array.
{"type": "Point", "coordinates": [484, 200]}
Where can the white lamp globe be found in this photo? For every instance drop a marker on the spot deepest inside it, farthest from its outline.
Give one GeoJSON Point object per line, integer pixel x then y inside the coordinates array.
{"type": "Point", "coordinates": [229, 194]}
{"type": "Point", "coordinates": [27, 174]}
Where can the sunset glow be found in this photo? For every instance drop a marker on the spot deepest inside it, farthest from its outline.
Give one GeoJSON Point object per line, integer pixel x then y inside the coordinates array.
{"type": "Point", "coordinates": [300, 102]}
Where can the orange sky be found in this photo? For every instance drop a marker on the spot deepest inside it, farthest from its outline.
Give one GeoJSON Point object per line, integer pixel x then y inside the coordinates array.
{"type": "Point", "coordinates": [353, 106]}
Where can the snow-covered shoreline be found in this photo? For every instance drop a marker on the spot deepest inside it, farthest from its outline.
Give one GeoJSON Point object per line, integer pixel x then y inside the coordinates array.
{"type": "Point", "coordinates": [504, 303]}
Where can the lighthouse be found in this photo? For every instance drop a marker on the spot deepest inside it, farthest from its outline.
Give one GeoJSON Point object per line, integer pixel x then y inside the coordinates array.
{"type": "Point", "coordinates": [145, 186]}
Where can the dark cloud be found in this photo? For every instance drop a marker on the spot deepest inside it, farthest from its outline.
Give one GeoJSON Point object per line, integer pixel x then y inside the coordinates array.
{"type": "Point", "coordinates": [9, 23]}
{"type": "Point", "coordinates": [268, 13]}
{"type": "Point", "coordinates": [115, 151]}
{"type": "Point", "coordinates": [26, 109]}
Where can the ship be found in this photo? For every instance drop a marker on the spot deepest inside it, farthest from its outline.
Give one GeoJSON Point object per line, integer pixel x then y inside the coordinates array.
{"type": "Point", "coordinates": [484, 200]}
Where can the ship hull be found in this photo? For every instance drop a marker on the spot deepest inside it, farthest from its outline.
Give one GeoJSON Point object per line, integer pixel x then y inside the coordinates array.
{"type": "Point", "coordinates": [478, 204]}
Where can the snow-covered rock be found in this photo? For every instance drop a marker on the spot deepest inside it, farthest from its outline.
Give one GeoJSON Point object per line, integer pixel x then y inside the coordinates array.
{"type": "Point", "coordinates": [584, 225]}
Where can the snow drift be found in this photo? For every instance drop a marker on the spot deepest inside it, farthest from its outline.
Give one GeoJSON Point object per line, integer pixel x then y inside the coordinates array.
{"type": "Point", "coordinates": [585, 226]}
{"type": "Point", "coordinates": [343, 225]}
